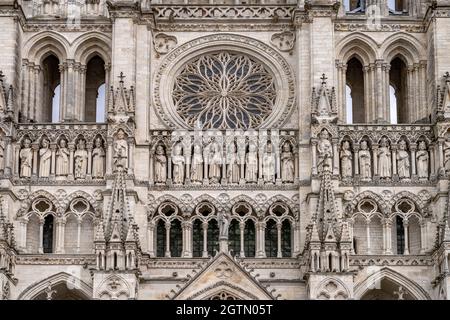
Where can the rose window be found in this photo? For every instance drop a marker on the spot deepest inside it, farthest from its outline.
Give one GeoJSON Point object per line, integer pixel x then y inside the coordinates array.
{"type": "Point", "coordinates": [224, 90]}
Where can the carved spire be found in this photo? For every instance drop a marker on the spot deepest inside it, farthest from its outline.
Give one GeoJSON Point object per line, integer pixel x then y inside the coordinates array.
{"type": "Point", "coordinates": [100, 232]}
{"type": "Point", "coordinates": [323, 101]}
{"type": "Point", "coordinates": [121, 102]}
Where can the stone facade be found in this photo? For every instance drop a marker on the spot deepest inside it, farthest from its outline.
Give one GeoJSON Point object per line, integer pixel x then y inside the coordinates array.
{"type": "Point", "coordinates": [229, 161]}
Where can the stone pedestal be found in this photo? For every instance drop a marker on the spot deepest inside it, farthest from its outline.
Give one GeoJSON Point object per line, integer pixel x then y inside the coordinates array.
{"type": "Point", "coordinates": [223, 244]}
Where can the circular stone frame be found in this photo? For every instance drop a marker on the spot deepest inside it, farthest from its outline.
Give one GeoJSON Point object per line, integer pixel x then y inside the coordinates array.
{"type": "Point", "coordinates": [170, 67]}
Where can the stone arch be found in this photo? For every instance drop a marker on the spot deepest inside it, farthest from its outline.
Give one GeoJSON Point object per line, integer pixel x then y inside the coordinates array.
{"type": "Point", "coordinates": [411, 196]}
{"type": "Point", "coordinates": [244, 198]}
{"type": "Point", "coordinates": [42, 44]}
{"type": "Point", "coordinates": [403, 45]}
{"type": "Point", "coordinates": [113, 287]}
{"type": "Point", "coordinates": [386, 273]}
{"type": "Point", "coordinates": [80, 194]}
{"type": "Point", "coordinates": [331, 289]}
{"type": "Point", "coordinates": [220, 286]}
{"type": "Point", "coordinates": [90, 44]}
{"type": "Point", "coordinates": [35, 289]}
{"type": "Point", "coordinates": [282, 199]}
{"type": "Point", "coordinates": [359, 45]}
{"type": "Point", "coordinates": [205, 198]}
{"type": "Point", "coordinates": [153, 207]}
{"type": "Point", "coordinates": [368, 195]}
{"type": "Point", "coordinates": [35, 195]}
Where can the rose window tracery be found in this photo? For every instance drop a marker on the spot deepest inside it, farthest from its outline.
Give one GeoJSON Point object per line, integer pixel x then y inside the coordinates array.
{"type": "Point", "coordinates": [224, 90]}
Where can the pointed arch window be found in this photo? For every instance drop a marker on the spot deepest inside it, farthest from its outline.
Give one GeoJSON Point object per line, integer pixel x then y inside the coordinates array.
{"type": "Point", "coordinates": [271, 236]}
{"type": "Point", "coordinates": [356, 111]}
{"type": "Point", "coordinates": [47, 234]}
{"type": "Point", "coordinates": [286, 239]}
{"type": "Point", "coordinates": [50, 94]}
{"type": "Point", "coordinates": [176, 238]}
{"type": "Point", "coordinates": [95, 100]}
{"type": "Point", "coordinates": [249, 239]}
{"type": "Point", "coordinates": [160, 239]}
{"type": "Point", "coordinates": [213, 237]}
{"type": "Point", "coordinates": [234, 237]}
{"type": "Point", "coordinates": [197, 238]}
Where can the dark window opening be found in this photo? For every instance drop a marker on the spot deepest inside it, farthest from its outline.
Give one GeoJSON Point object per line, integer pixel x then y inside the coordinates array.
{"type": "Point", "coordinates": [48, 234]}
{"type": "Point", "coordinates": [234, 236]}
{"type": "Point", "coordinates": [51, 94]}
{"type": "Point", "coordinates": [95, 91]}
{"type": "Point", "coordinates": [286, 239]}
{"type": "Point", "coordinates": [398, 95]}
{"type": "Point", "coordinates": [271, 239]}
{"type": "Point", "coordinates": [213, 237]}
{"type": "Point", "coordinates": [176, 239]}
{"type": "Point", "coordinates": [197, 239]}
{"type": "Point", "coordinates": [160, 239]}
{"type": "Point", "coordinates": [356, 112]}
{"type": "Point", "coordinates": [400, 236]}
{"type": "Point", "coordinates": [249, 239]}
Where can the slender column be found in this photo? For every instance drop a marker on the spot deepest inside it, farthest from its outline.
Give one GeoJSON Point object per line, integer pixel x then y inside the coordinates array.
{"type": "Point", "coordinates": [423, 89]}
{"type": "Point", "coordinates": [405, 228]}
{"type": "Point", "coordinates": [53, 162]}
{"type": "Point", "coordinates": [369, 249]}
{"type": "Point", "coordinates": [335, 157]}
{"type": "Point", "coordinates": [151, 239]}
{"type": "Point", "coordinates": [356, 158]}
{"type": "Point", "coordinates": [62, 98]}
{"type": "Point", "coordinates": [107, 85]}
{"type": "Point", "coordinates": [17, 159]}
{"type": "Point", "coordinates": [33, 83]}
{"type": "Point", "coordinates": [423, 237]}
{"type": "Point", "coordinates": [205, 239]}
{"type": "Point", "coordinates": [296, 165]}
{"type": "Point", "coordinates": [387, 94]}
{"type": "Point", "coordinates": [41, 236]}
{"type": "Point", "coordinates": [8, 165]}
{"type": "Point", "coordinates": [413, 148]}
{"type": "Point", "coordinates": [77, 91]}
{"type": "Point", "coordinates": [432, 160]}
{"type": "Point", "coordinates": [25, 90]}
{"type": "Point", "coordinates": [78, 235]}
{"type": "Point", "coordinates": [260, 226]}
{"type": "Point", "coordinates": [89, 147]}
{"type": "Point", "coordinates": [71, 147]}
{"type": "Point", "coordinates": [60, 241]}
{"type": "Point", "coordinates": [151, 174]}
{"type": "Point", "coordinates": [373, 92]}
{"type": "Point", "coordinates": [394, 159]}
{"type": "Point", "coordinates": [410, 92]}
{"type": "Point", "coordinates": [205, 167]}
{"type": "Point", "coordinates": [82, 77]}
{"type": "Point", "coordinates": [375, 159]}
{"type": "Point", "coordinates": [416, 91]}
{"type": "Point", "coordinates": [314, 156]}
{"type": "Point", "coordinates": [384, 224]}
{"type": "Point", "coordinates": [35, 148]}
{"type": "Point", "coordinates": [367, 105]}
{"type": "Point", "coordinates": [37, 93]}
{"type": "Point", "coordinates": [167, 253]}
{"type": "Point", "coordinates": [279, 254]}
{"type": "Point", "coordinates": [379, 90]}
{"type": "Point", "coordinates": [187, 243]}
{"type": "Point", "coordinates": [241, 230]}
{"type": "Point", "coordinates": [169, 166]}
{"type": "Point", "coordinates": [109, 155]}
{"type": "Point", "coordinates": [23, 222]}
{"type": "Point", "coordinates": [441, 154]}
{"type": "Point", "coordinates": [130, 155]}
{"type": "Point", "coordinates": [388, 237]}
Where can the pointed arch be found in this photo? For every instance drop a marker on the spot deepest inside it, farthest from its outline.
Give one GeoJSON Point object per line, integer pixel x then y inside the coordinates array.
{"type": "Point", "coordinates": [90, 44]}
{"type": "Point", "coordinates": [280, 198]}
{"type": "Point", "coordinates": [42, 44]}
{"type": "Point", "coordinates": [35, 195]}
{"type": "Point", "coordinates": [359, 45]}
{"type": "Point", "coordinates": [153, 207]}
{"type": "Point", "coordinates": [386, 273]}
{"type": "Point", "coordinates": [369, 195]}
{"type": "Point", "coordinates": [411, 196]}
{"type": "Point", "coordinates": [205, 198]}
{"type": "Point", "coordinates": [404, 45]}
{"type": "Point", "coordinates": [79, 194]}
{"type": "Point", "coordinates": [37, 288]}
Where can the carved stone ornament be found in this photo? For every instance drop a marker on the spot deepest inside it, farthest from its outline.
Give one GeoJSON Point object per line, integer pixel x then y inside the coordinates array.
{"type": "Point", "coordinates": [284, 41]}
{"type": "Point", "coordinates": [163, 43]}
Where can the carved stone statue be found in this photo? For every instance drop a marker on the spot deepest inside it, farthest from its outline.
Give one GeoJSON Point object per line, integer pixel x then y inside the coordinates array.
{"type": "Point", "coordinates": [215, 163]}
{"type": "Point", "coordinates": [224, 221]}
{"type": "Point", "coordinates": [197, 165]}
{"type": "Point", "coordinates": [120, 150]}
{"type": "Point", "coordinates": [233, 173]}
{"type": "Point", "coordinates": [160, 165]}
{"type": "Point", "coordinates": [45, 159]}
{"type": "Point", "coordinates": [422, 158]}
{"type": "Point", "coordinates": [269, 164]}
{"type": "Point", "coordinates": [287, 164]}
{"type": "Point", "coordinates": [178, 164]}
{"type": "Point", "coordinates": [81, 159]}
{"type": "Point", "coordinates": [62, 159]}
{"type": "Point", "coordinates": [384, 159]}
{"type": "Point", "coordinates": [98, 160]}
{"type": "Point", "coordinates": [26, 159]}
{"type": "Point", "coordinates": [365, 162]}
{"type": "Point", "coordinates": [251, 164]}
{"type": "Point", "coordinates": [403, 163]}
{"type": "Point", "coordinates": [346, 160]}
{"type": "Point", "coordinates": [325, 151]}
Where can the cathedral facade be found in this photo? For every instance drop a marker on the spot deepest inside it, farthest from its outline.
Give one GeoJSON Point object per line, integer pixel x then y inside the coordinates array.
{"type": "Point", "coordinates": [224, 149]}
